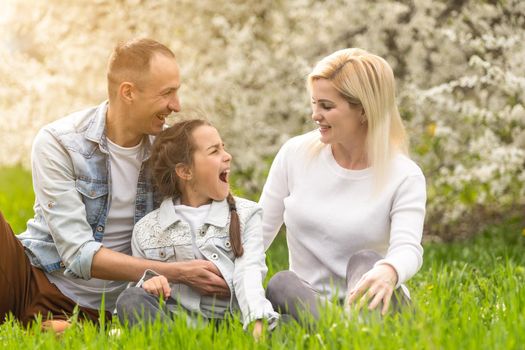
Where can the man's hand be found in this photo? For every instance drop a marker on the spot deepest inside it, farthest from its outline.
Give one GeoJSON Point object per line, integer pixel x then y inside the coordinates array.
{"type": "Point", "coordinates": [201, 275]}
{"type": "Point", "coordinates": [376, 285]}
{"type": "Point", "coordinates": [158, 286]}
{"type": "Point", "coordinates": [204, 277]}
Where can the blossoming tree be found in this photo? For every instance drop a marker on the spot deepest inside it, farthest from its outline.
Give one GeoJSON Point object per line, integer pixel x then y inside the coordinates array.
{"type": "Point", "coordinates": [459, 67]}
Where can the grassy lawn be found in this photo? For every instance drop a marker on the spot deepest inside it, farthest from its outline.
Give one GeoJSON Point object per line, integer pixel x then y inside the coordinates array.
{"type": "Point", "coordinates": [468, 295]}
{"type": "Point", "coordinates": [16, 197]}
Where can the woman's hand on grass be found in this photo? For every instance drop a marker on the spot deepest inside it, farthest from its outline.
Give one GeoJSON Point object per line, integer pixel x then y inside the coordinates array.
{"type": "Point", "coordinates": [376, 286]}
{"type": "Point", "coordinates": [158, 286]}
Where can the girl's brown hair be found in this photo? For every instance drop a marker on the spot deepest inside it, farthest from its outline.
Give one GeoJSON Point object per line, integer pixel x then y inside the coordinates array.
{"type": "Point", "coordinates": [175, 145]}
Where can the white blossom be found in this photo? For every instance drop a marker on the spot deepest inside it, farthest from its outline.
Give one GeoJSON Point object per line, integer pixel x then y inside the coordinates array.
{"type": "Point", "coordinates": [459, 67]}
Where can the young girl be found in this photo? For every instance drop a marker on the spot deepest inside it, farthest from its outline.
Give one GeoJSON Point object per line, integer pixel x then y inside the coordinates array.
{"type": "Point", "coordinates": [198, 219]}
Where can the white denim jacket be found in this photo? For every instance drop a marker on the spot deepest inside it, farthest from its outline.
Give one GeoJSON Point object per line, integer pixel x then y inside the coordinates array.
{"type": "Point", "coordinates": [163, 235]}
{"type": "Point", "coordinates": [72, 182]}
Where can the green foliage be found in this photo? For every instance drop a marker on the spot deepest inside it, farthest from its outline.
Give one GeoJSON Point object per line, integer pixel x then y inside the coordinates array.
{"type": "Point", "coordinates": [16, 196]}
{"type": "Point", "coordinates": [468, 295]}
{"type": "Point", "coordinates": [458, 66]}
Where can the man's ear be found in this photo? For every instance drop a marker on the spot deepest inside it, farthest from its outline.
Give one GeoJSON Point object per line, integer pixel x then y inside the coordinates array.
{"type": "Point", "coordinates": [183, 171]}
{"type": "Point", "coordinates": [126, 92]}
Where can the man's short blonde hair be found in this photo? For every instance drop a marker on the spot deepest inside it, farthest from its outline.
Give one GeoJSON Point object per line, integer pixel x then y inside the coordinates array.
{"type": "Point", "coordinates": [130, 60]}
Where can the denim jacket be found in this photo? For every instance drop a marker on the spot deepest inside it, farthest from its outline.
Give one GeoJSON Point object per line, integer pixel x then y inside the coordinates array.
{"type": "Point", "coordinates": [163, 235]}
{"type": "Point", "coordinates": [72, 183]}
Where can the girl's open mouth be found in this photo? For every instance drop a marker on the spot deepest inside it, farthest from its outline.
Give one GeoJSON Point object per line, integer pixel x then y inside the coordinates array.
{"type": "Point", "coordinates": [224, 175]}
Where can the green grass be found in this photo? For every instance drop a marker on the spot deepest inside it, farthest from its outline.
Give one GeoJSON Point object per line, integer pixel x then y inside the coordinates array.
{"type": "Point", "coordinates": [468, 295]}
{"type": "Point", "coordinates": [16, 197]}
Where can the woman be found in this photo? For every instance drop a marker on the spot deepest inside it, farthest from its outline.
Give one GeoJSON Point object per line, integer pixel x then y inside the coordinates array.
{"type": "Point", "coordinates": [352, 201]}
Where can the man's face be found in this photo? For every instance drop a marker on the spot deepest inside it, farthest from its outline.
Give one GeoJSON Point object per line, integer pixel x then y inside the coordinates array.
{"type": "Point", "coordinates": [157, 97]}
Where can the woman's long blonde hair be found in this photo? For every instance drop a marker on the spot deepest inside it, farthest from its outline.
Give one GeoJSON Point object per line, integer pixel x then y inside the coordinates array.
{"type": "Point", "coordinates": [367, 80]}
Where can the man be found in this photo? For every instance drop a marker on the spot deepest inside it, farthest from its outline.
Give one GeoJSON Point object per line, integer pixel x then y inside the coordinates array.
{"type": "Point", "coordinates": [91, 186]}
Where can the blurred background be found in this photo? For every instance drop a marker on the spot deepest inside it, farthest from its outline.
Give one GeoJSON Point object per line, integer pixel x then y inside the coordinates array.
{"type": "Point", "coordinates": [459, 65]}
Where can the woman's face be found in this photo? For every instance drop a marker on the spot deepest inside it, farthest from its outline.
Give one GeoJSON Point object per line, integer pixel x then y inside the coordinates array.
{"type": "Point", "coordinates": [338, 121]}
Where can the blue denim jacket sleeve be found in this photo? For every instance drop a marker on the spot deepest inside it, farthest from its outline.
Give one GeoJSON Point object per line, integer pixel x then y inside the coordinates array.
{"type": "Point", "coordinates": [249, 272]}
{"type": "Point", "coordinates": [62, 206]}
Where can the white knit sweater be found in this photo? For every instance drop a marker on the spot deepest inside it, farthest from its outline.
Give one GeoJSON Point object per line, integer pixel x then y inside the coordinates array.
{"type": "Point", "coordinates": [331, 212]}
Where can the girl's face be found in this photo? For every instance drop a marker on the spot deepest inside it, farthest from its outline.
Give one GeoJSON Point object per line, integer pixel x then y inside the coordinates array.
{"type": "Point", "coordinates": [210, 170]}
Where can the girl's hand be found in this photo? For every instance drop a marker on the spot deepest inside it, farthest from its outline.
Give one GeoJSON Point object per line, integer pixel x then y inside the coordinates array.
{"type": "Point", "coordinates": [376, 285]}
{"type": "Point", "coordinates": [257, 330]}
{"type": "Point", "coordinates": [158, 286]}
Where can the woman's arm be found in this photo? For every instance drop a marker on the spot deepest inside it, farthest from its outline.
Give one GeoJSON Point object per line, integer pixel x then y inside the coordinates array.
{"type": "Point", "coordinates": [405, 253]}
{"type": "Point", "coordinates": [272, 198]}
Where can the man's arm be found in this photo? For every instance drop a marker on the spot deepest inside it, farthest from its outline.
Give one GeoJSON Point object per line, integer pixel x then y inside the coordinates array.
{"type": "Point", "coordinates": [54, 182]}
{"type": "Point", "coordinates": [201, 275]}
{"type": "Point", "coordinates": [65, 214]}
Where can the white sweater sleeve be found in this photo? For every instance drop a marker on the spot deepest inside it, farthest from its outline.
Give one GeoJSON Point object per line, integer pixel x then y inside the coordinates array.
{"type": "Point", "coordinates": [405, 252]}
{"type": "Point", "coordinates": [272, 198]}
